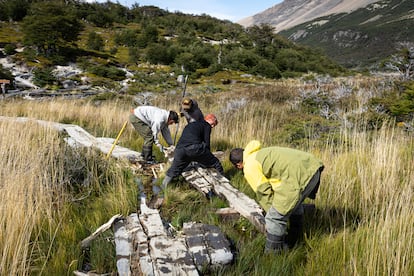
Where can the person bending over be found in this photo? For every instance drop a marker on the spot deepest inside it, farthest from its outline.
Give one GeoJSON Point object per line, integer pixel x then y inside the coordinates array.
{"type": "Point", "coordinates": [281, 178]}
{"type": "Point", "coordinates": [193, 145]}
{"type": "Point", "coordinates": [148, 121]}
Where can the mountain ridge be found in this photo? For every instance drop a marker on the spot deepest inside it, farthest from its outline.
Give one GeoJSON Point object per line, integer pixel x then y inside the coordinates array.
{"type": "Point", "coordinates": [360, 37]}
{"type": "Point", "coordinates": [290, 13]}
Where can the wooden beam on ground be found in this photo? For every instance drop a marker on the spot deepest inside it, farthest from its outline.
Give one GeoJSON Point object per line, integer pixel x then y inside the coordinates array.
{"type": "Point", "coordinates": [196, 180]}
{"type": "Point", "coordinates": [123, 248]}
{"type": "Point", "coordinates": [209, 179]}
{"type": "Point", "coordinates": [228, 213]}
{"type": "Point", "coordinates": [141, 263]}
{"type": "Point", "coordinates": [78, 137]}
{"type": "Point", "coordinates": [169, 256]}
{"type": "Point", "coordinates": [207, 245]}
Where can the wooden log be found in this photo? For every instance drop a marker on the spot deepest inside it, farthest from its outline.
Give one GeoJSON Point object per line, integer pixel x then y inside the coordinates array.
{"type": "Point", "coordinates": [78, 137]}
{"type": "Point", "coordinates": [207, 245]}
{"type": "Point", "coordinates": [228, 213]}
{"type": "Point", "coordinates": [141, 263]}
{"type": "Point", "coordinates": [123, 248]}
{"type": "Point", "coordinates": [205, 180]}
{"type": "Point", "coordinates": [169, 256]}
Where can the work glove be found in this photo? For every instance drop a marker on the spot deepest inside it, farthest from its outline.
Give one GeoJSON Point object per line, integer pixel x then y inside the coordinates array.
{"type": "Point", "coordinates": [160, 147]}
{"type": "Point", "coordinates": [169, 151]}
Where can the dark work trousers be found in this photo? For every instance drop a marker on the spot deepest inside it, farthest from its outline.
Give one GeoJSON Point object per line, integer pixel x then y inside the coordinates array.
{"type": "Point", "coordinates": [276, 223]}
{"type": "Point", "coordinates": [143, 129]}
{"type": "Point", "coordinates": [183, 156]}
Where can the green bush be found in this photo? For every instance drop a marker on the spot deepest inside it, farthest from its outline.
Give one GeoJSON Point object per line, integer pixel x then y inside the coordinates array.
{"type": "Point", "coordinates": [267, 69]}
{"type": "Point", "coordinates": [44, 76]}
{"type": "Point", "coordinates": [109, 72]}
{"type": "Point", "coordinates": [10, 49]}
{"type": "Point", "coordinates": [5, 74]}
{"type": "Point", "coordinates": [403, 108]}
{"type": "Point", "coordinates": [95, 42]}
{"type": "Point", "coordinates": [398, 104]}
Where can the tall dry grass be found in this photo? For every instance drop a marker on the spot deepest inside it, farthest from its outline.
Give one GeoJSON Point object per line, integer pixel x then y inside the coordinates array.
{"type": "Point", "coordinates": [368, 185]}
{"type": "Point", "coordinates": [30, 192]}
{"type": "Point", "coordinates": [51, 200]}
{"type": "Point", "coordinates": [364, 219]}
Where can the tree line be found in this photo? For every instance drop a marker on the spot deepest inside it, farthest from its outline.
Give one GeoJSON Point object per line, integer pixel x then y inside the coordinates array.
{"type": "Point", "coordinates": [198, 44]}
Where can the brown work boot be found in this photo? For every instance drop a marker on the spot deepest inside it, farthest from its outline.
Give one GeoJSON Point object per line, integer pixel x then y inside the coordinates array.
{"type": "Point", "coordinates": [158, 203]}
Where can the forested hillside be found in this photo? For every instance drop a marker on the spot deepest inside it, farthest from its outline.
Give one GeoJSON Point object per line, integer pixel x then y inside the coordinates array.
{"type": "Point", "coordinates": [104, 38]}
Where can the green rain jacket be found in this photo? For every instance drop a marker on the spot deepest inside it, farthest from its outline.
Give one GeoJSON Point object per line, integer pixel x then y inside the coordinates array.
{"type": "Point", "coordinates": [278, 175]}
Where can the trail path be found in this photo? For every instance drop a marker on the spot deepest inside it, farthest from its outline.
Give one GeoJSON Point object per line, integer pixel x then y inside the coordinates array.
{"type": "Point", "coordinates": [145, 243]}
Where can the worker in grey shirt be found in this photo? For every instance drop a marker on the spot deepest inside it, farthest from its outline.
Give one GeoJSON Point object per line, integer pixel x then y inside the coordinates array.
{"type": "Point", "coordinates": [149, 121]}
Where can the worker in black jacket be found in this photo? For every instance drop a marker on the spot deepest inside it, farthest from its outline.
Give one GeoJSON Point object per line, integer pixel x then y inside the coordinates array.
{"type": "Point", "coordinates": [191, 111]}
{"type": "Point", "coordinates": [193, 145]}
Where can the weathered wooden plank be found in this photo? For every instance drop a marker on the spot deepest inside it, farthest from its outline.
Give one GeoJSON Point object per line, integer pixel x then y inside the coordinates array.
{"type": "Point", "coordinates": [78, 137]}
{"type": "Point", "coordinates": [197, 181]}
{"type": "Point", "coordinates": [247, 207]}
{"type": "Point", "coordinates": [228, 211]}
{"type": "Point", "coordinates": [141, 263]}
{"type": "Point", "coordinates": [123, 248]}
{"type": "Point", "coordinates": [207, 245]}
{"type": "Point", "coordinates": [151, 222]}
{"type": "Point", "coordinates": [218, 246]}
{"type": "Point", "coordinates": [170, 256]}
{"type": "Point", "coordinates": [196, 245]}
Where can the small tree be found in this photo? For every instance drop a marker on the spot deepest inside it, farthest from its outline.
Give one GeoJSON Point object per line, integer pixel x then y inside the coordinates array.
{"type": "Point", "coordinates": [15, 10]}
{"type": "Point", "coordinates": [49, 26]}
{"type": "Point", "coordinates": [10, 49]}
{"type": "Point", "coordinates": [95, 42]}
{"type": "Point", "coordinates": [403, 61]}
{"type": "Point", "coordinates": [44, 76]}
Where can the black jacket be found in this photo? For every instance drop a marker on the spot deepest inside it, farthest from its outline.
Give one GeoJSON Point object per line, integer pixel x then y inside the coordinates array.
{"type": "Point", "coordinates": [195, 133]}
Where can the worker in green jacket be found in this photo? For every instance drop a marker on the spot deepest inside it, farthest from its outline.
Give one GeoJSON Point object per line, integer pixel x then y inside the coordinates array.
{"type": "Point", "coordinates": [281, 178]}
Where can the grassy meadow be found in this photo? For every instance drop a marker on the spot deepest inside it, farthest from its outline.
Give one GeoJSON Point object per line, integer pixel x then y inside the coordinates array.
{"type": "Point", "coordinates": [53, 196]}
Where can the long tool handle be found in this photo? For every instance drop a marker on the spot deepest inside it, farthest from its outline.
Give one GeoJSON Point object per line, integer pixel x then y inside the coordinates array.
{"type": "Point", "coordinates": [177, 126]}
{"type": "Point", "coordinates": [116, 140]}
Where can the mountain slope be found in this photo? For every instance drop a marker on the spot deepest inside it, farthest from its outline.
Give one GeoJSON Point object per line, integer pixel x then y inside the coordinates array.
{"type": "Point", "coordinates": [363, 37]}
{"type": "Point", "coordinates": [290, 13]}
